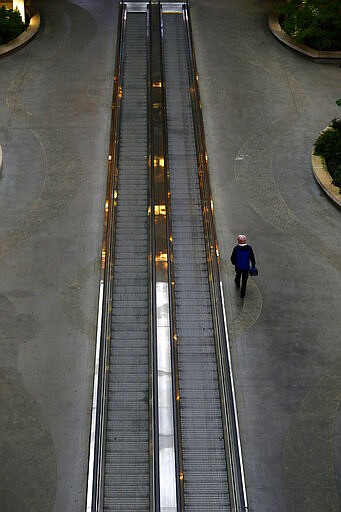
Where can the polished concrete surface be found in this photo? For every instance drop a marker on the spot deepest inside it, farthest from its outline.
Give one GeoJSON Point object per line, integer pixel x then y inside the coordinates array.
{"type": "Point", "coordinates": [55, 110]}
{"type": "Point", "coordinates": [263, 107]}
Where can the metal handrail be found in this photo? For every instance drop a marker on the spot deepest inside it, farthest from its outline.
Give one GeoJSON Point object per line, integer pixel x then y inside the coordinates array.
{"type": "Point", "coordinates": [154, 422]}
{"type": "Point", "coordinates": [94, 499]}
{"type": "Point", "coordinates": [229, 410]}
{"type": "Point", "coordinates": [160, 231]}
{"type": "Point", "coordinates": [173, 327]}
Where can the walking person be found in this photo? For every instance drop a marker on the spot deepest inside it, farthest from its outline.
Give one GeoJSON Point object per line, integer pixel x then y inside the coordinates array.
{"type": "Point", "coordinates": [241, 257]}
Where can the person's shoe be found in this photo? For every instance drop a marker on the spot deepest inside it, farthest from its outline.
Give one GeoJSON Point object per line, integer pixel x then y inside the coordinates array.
{"type": "Point", "coordinates": [242, 296]}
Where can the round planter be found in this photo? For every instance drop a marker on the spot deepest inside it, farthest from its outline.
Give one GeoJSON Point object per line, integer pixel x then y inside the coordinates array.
{"type": "Point", "coordinates": [316, 55]}
{"type": "Point", "coordinates": [324, 179]}
{"type": "Point", "coordinates": [25, 36]}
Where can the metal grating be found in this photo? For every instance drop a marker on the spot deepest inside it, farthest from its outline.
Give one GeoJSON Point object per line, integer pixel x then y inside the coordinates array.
{"type": "Point", "coordinates": [126, 480]}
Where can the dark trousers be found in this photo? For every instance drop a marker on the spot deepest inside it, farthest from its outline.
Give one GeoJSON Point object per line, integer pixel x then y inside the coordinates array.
{"type": "Point", "coordinates": [244, 274]}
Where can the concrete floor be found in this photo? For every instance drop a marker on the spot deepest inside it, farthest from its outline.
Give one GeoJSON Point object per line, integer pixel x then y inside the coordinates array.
{"type": "Point", "coordinates": [55, 109]}
{"type": "Point", "coordinates": [263, 107]}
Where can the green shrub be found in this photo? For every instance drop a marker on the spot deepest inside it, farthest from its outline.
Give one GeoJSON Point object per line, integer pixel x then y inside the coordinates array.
{"type": "Point", "coordinates": [336, 123]}
{"type": "Point", "coordinates": [337, 177]}
{"type": "Point", "coordinates": [11, 24]}
{"type": "Point", "coordinates": [315, 23]}
{"type": "Point", "coordinates": [328, 145]}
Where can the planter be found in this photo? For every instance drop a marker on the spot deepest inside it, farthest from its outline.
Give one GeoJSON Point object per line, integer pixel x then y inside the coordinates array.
{"type": "Point", "coordinates": [324, 179]}
{"type": "Point", "coordinates": [25, 36]}
{"type": "Point", "coordinates": [316, 55]}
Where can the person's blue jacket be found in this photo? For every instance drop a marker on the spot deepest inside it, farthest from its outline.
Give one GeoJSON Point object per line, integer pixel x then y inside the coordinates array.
{"type": "Point", "coordinates": [241, 257]}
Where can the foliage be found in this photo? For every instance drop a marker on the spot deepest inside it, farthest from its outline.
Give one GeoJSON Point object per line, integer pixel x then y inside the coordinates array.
{"type": "Point", "coordinates": [11, 24]}
{"type": "Point", "coordinates": [315, 23]}
{"type": "Point", "coordinates": [328, 145]}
